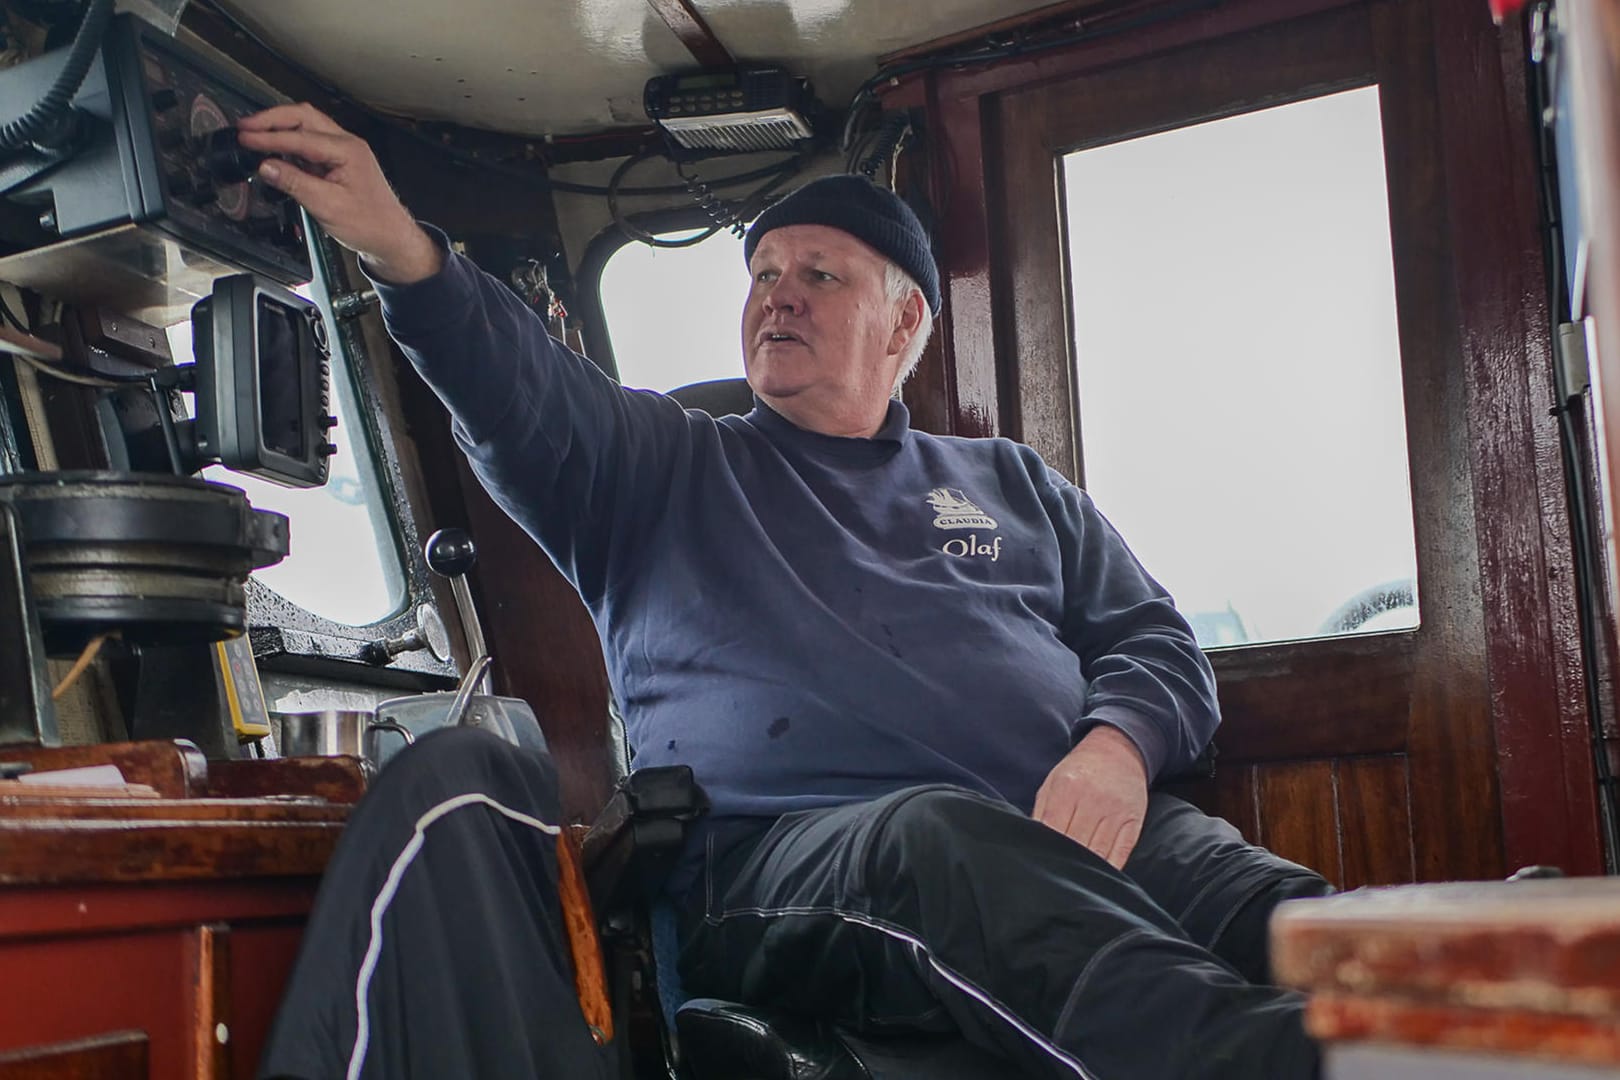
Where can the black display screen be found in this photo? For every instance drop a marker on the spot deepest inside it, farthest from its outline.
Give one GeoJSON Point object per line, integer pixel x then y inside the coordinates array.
{"type": "Point", "coordinates": [281, 375]}
{"type": "Point", "coordinates": [689, 83]}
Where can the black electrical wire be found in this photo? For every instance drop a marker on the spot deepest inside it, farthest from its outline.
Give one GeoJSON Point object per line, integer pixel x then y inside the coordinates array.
{"type": "Point", "coordinates": [780, 173]}
{"type": "Point", "coordinates": [635, 232]}
{"type": "Point", "coordinates": [79, 374]}
{"type": "Point", "coordinates": [1586, 559]}
{"type": "Point", "coordinates": [736, 180]}
{"type": "Point", "coordinates": [62, 369]}
{"type": "Point", "coordinates": [751, 206]}
{"type": "Point", "coordinates": [709, 201]}
{"type": "Point", "coordinates": [890, 134]}
{"type": "Point", "coordinates": [171, 439]}
{"type": "Point", "coordinates": [42, 121]}
{"type": "Point", "coordinates": [10, 317]}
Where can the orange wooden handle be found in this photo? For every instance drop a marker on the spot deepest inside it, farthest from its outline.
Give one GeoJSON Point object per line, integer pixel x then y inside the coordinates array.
{"type": "Point", "coordinates": [590, 978]}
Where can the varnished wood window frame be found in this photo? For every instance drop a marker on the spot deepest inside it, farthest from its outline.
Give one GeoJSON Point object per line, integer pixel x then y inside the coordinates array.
{"type": "Point", "coordinates": [1495, 724]}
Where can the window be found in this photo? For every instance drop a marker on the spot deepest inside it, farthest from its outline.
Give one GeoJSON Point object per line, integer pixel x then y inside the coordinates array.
{"type": "Point", "coordinates": [344, 564]}
{"type": "Point", "coordinates": [674, 315]}
{"type": "Point", "coordinates": [1241, 414]}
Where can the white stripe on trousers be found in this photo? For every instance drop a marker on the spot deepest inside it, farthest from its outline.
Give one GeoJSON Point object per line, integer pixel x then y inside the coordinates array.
{"type": "Point", "coordinates": [362, 987]}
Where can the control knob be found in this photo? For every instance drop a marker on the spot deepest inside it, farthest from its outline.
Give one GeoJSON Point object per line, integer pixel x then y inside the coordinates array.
{"type": "Point", "coordinates": [226, 159]}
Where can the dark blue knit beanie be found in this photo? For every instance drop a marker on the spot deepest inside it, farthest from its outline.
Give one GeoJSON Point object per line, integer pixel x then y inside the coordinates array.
{"type": "Point", "coordinates": [874, 215]}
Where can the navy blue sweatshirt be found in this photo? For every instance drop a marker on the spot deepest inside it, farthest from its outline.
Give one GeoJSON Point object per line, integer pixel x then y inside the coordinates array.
{"type": "Point", "coordinates": [808, 620]}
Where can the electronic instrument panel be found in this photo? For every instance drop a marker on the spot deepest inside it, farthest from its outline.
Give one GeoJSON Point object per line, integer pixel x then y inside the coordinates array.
{"type": "Point", "coordinates": [157, 199]}
{"type": "Point", "coordinates": [207, 179]}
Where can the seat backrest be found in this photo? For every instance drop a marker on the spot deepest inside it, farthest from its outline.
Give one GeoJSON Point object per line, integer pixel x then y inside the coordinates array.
{"type": "Point", "coordinates": [717, 397]}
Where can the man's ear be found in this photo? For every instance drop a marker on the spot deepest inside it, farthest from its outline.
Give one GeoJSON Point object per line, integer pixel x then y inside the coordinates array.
{"type": "Point", "coordinates": [908, 319]}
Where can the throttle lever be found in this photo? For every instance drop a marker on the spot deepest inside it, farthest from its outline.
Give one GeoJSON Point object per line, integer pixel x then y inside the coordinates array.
{"type": "Point", "coordinates": [450, 554]}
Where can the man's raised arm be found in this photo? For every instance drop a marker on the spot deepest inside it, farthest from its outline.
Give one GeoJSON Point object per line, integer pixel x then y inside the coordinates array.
{"type": "Point", "coordinates": [346, 193]}
{"type": "Point", "coordinates": [568, 454]}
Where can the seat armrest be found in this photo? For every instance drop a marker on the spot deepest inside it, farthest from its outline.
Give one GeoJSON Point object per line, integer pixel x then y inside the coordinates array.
{"type": "Point", "coordinates": [640, 833]}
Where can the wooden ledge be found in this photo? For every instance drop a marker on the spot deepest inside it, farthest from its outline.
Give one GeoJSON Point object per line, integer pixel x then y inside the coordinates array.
{"type": "Point", "coordinates": [175, 769]}
{"type": "Point", "coordinates": [181, 818]}
{"type": "Point", "coordinates": [1544, 946]}
{"type": "Point", "coordinates": [54, 851]}
{"type": "Point", "coordinates": [1571, 1039]}
{"type": "Point", "coordinates": [1529, 968]}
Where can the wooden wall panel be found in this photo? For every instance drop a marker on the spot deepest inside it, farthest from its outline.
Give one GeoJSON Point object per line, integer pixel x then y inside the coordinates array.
{"type": "Point", "coordinates": [1237, 799]}
{"type": "Point", "coordinates": [1549, 806]}
{"type": "Point", "coordinates": [1315, 699]}
{"type": "Point", "coordinates": [1349, 818]}
{"type": "Point", "coordinates": [1231, 794]}
{"type": "Point", "coordinates": [1299, 815]}
{"type": "Point", "coordinates": [1375, 817]}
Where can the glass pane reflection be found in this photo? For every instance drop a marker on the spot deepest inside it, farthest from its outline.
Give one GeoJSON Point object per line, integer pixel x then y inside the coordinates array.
{"type": "Point", "coordinates": [1242, 418]}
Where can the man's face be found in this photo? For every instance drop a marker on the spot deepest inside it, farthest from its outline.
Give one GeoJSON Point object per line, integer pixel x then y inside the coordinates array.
{"type": "Point", "coordinates": [819, 326]}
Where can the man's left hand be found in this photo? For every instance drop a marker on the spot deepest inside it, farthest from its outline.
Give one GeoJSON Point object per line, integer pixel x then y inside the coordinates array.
{"type": "Point", "coordinates": [1098, 794]}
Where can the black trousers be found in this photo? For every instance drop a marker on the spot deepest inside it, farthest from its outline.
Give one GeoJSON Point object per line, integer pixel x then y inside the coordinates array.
{"type": "Point", "coordinates": [935, 908]}
{"type": "Point", "coordinates": [436, 946]}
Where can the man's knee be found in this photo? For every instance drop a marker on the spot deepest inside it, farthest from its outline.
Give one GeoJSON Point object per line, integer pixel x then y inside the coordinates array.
{"type": "Point", "coordinates": [1217, 885]}
{"type": "Point", "coordinates": [454, 747]}
{"type": "Point", "coordinates": [1180, 821]}
{"type": "Point", "coordinates": [932, 828]}
{"type": "Point", "coordinates": [1184, 838]}
{"type": "Point", "coordinates": [460, 760]}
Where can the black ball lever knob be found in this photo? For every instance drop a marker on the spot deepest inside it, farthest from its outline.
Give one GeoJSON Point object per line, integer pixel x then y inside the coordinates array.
{"type": "Point", "coordinates": [450, 552]}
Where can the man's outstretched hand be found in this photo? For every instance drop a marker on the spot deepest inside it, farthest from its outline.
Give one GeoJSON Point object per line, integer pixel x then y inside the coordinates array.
{"type": "Point", "coordinates": [1098, 794]}
{"type": "Point", "coordinates": [347, 193]}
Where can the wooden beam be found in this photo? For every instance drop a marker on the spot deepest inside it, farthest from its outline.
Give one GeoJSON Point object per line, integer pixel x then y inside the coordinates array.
{"type": "Point", "coordinates": [1041, 18]}
{"type": "Point", "coordinates": [687, 25]}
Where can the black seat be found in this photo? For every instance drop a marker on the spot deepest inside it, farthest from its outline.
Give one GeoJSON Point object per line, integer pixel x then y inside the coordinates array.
{"type": "Point", "coordinates": [717, 397]}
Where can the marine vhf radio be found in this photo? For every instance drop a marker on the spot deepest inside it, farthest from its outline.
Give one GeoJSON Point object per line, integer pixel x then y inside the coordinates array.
{"type": "Point", "coordinates": [153, 198]}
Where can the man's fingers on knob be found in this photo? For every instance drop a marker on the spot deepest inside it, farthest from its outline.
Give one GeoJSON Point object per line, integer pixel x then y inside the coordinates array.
{"type": "Point", "coordinates": [315, 147]}
{"type": "Point", "coordinates": [320, 197]}
{"type": "Point", "coordinates": [302, 115]}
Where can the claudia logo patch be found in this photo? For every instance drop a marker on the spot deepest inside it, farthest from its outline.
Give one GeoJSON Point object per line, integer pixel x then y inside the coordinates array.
{"type": "Point", "coordinates": [954, 510]}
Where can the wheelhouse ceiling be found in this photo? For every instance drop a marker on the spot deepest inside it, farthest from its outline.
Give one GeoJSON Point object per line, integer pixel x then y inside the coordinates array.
{"type": "Point", "coordinates": [556, 68]}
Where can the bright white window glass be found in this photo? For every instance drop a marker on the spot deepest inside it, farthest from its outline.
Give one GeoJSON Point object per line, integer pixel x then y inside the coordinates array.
{"type": "Point", "coordinates": [674, 315]}
{"type": "Point", "coordinates": [344, 564]}
{"type": "Point", "coordinates": [1239, 370]}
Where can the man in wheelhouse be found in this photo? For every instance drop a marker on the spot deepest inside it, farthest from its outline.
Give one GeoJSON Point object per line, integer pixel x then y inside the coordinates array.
{"type": "Point", "coordinates": [925, 683]}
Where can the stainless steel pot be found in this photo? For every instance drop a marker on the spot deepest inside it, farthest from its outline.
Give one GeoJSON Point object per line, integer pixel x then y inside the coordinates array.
{"type": "Point", "coordinates": [330, 732]}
